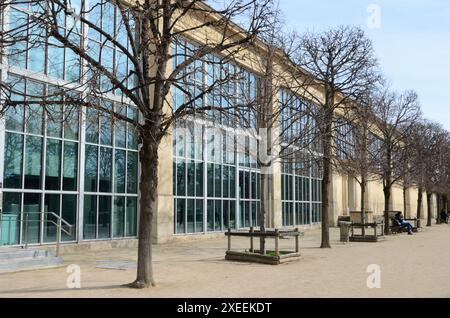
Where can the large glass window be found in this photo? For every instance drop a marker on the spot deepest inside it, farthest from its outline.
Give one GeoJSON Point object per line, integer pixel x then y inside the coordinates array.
{"type": "Point", "coordinates": [42, 145]}
{"type": "Point", "coordinates": [104, 217]}
{"type": "Point", "coordinates": [33, 160]}
{"type": "Point", "coordinates": [120, 171]}
{"type": "Point", "coordinates": [51, 205]}
{"type": "Point", "coordinates": [301, 193]}
{"type": "Point", "coordinates": [69, 213]}
{"type": "Point", "coordinates": [53, 165]}
{"type": "Point", "coordinates": [32, 208]}
{"type": "Point", "coordinates": [132, 172]}
{"type": "Point", "coordinates": [105, 180]}
{"type": "Point", "coordinates": [90, 217]}
{"type": "Point", "coordinates": [212, 176]}
{"type": "Point", "coordinates": [12, 206]}
{"type": "Point", "coordinates": [131, 217]}
{"type": "Point", "coordinates": [110, 169]}
{"type": "Point", "coordinates": [70, 175]}
{"type": "Point", "coordinates": [91, 169]}
{"type": "Point", "coordinates": [13, 160]}
{"type": "Point", "coordinates": [119, 217]}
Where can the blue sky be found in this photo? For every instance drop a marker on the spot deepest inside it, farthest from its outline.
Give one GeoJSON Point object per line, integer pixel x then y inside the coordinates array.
{"type": "Point", "coordinates": [412, 43]}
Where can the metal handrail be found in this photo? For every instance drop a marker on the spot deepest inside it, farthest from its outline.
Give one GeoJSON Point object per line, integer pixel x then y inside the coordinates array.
{"type": "Point", "coordinates": [59, 225]}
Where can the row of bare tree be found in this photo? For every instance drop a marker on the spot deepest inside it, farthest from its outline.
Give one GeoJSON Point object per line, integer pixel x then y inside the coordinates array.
{"type": "Point", "coordinates": [339, 112]}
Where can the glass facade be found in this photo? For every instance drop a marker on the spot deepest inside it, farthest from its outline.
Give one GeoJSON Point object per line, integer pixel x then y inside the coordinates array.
{"type": "Point", "coordinates": [301, 195]}
{"type": "Point", "coordinates": [301, 176]}
{"type": "Point", "coordinates": [71, 161]}
{"type": "Point", "coordinates": [216, 178]}
{"type": "Point", "coordinates": [345, 140]}
{"type": "Point", "coordinates": [215, 186]}
{"type": "Point", "coordinates": [84, 166]}
{"type": "Point", "coordinates": [42, 164]}
{"type": "Point", "coordinates": [111, 175]}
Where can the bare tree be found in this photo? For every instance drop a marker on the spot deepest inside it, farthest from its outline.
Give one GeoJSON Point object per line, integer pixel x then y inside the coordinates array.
{"type": "Point", "coordinates": [358, 147]}
{"type": "Point", "coordinates": [277, 116]}
{"type": "Point", "coordinates": [435, 150]}
{"type": "Point", "coordinates": [396, 115]}
{"type": "Point", "coordinates": [339, 64]}
{"type": "Point", "coordinates": [144, 69]}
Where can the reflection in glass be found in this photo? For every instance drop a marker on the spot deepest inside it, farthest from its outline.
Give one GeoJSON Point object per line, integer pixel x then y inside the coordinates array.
{"type": "Point", "coordinates": [132, 172]}
{"type": "Point", "coordinates": [119, 177]}
{"type": "Point", "coordinates": [14, 118]}
{"type": "Point", "coordinates": [233, 214]}
{"type": "Point", "coordinates": [232, 172]}
{"type": "Point", "coordinates": [32, 205]}
{"type": "Point", "coordinates": [33, 162]}
{"type": "Point", "coordinates": [36, 52]}
{"type": "Point", "coordinates": [54, 120]}
{"type": "Point", "coordinates": [53, 165]}
{"type": "Point", "coordinates": [119, 216]}
{"type": "Point", "coordinates": [226, 214]}
{"type": "Point", "coordinates": [131, 217]}
{"type": "Point", "coordinates": [73, 60]}
{"type": "Point", "coordinates": [69, 213]}
{"type": "Point", "coordinates": [92, 126]}
{"type": "Point", "coordinates": [70, 175]}
{"type": "Point", "coordinates": [210, 215]}
{"type": "Point", "coordinates": [104, 217]}
{"type": "Point", "coordinates": [190, 179]}
{"type": "Point", "coordinates": [218, 181]}
{"type": "Point", "coordinates": [51, 204]}
{"type": "Point", "coordinates": [180, 221]}
{"type": "Point", "coordinates": [55, 58]}
{"type": "Point", "coordinates": [90, 174]}
{"type": "Point", "coordinates": [71, 122]}
{"type": "Point", "coordinates": [199, 179]}
{"type": "Point", "coordinates": [18, 51]}
{"type": "Point", "coordinates": [210, 180]}
{"type": "Point", "coordinates": [120, 129]}
{"type": "Point", "coordinates": [11, 219]}
{"type": "Point", "coordinates": [199, 216]}
{"type": "Point", "coordinates": [225, 180]}
{"type": "Point", "coordinates": [105, 130]}
{"type": "Point", "coordinates": [218, 216]}
{"type": "Point", "coordinates": [131, 131]}
{"type": "Point", "coordinates": [190, 216]}
{"type": "Point", "coordinates": [13, 160]}
{"type": "Point", "coordinates": [105, 182]}
{"type": "Point", "coordinates": [90, 217]}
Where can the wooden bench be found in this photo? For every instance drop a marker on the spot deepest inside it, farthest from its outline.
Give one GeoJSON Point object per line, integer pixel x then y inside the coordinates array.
{"type": "Point", "coordinates": [377, 227]}
{"type": "Point", "coordinates": [396, 228]}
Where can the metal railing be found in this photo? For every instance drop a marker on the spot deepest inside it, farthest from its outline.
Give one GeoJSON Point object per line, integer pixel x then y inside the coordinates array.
{"type": "Point", "coordinates": [25, 221]}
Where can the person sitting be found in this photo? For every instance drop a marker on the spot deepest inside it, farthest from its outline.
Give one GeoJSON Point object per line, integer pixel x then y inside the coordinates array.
{"type": "Point", "coordinates": [444, 216]}
{"type": "Point", "coordinates": [399, 218]}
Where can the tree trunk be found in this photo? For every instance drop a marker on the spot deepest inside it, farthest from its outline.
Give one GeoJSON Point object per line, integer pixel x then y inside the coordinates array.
{"type": "Point", "coordinates": [404, 202]}
{"type": "Point", "coordinates": [264, 209]}
{"type": "Point", "coordinates": [419, 207]}
{"type": "Point", "coordinates": [429, 213]}
{"type": "Point", "coordinates": [363, 186]}
{"type": "Point", "coordinates": [438, 208]}
{"type": "Point", "coordinates": [387, 200]}
{"type": "Point", "coordinates": [148, 191]}
{"type": "Point", "coordinates": [327, 153]}
{"type": "Point", "coordinates": [325, 205]}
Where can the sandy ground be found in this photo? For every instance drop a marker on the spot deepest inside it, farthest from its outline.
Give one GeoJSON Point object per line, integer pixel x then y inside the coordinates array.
{"type": "Point", "coordinates": [411, 266]}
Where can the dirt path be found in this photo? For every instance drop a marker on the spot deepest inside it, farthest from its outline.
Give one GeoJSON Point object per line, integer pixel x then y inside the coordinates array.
{"type": "Point", "coordinates": [411, 266]}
